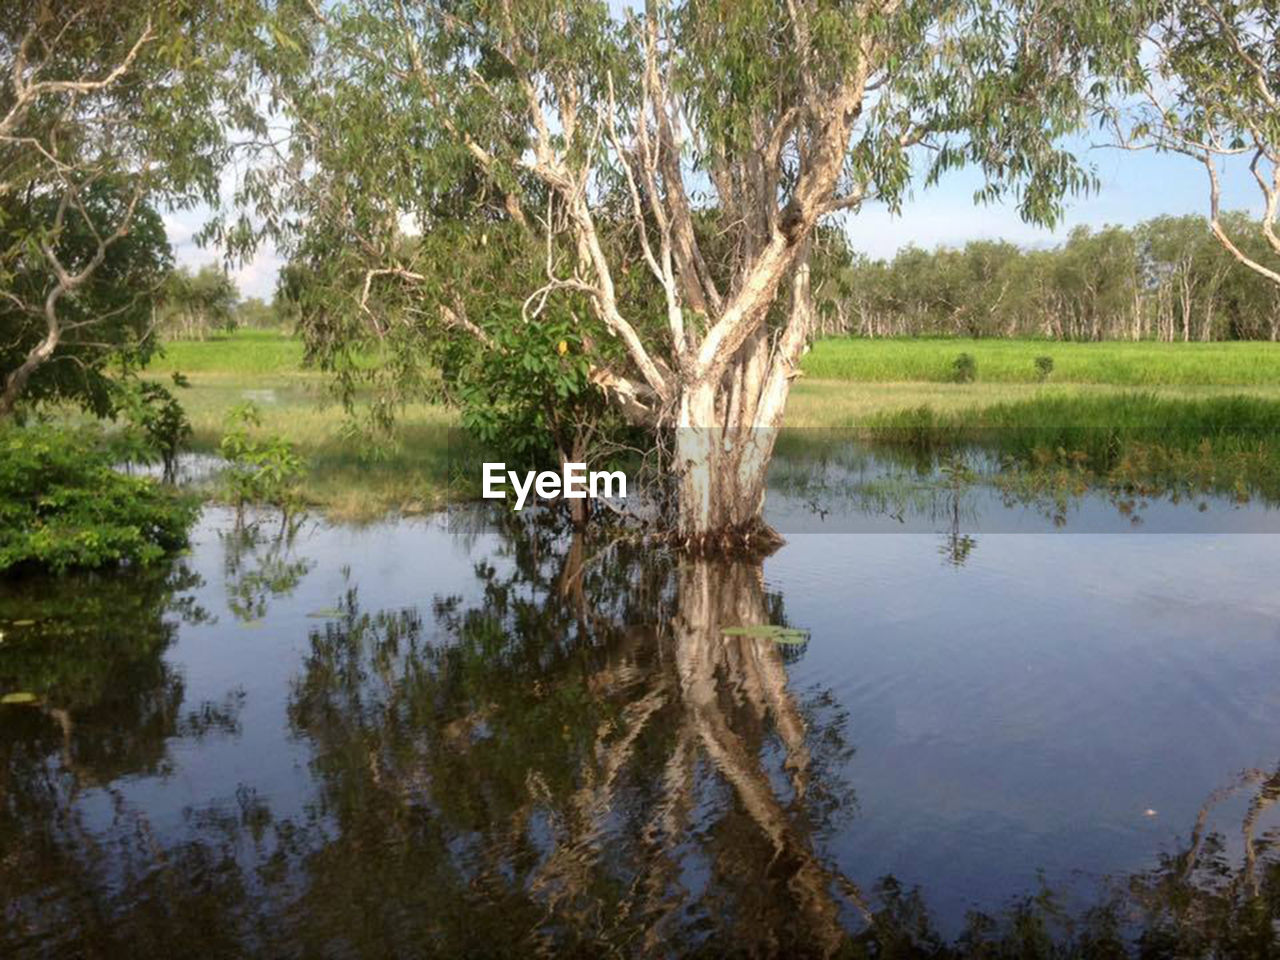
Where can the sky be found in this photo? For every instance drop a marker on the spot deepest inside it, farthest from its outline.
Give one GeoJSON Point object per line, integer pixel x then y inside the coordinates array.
{"type": "Point", "coordinates": [1134, 187]}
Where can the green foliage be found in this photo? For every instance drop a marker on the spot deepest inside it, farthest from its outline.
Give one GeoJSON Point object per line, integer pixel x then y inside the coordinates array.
{"type": "Point", "coordinates": [529, 394]}
{"type": "Point", "coordinates": [156, 427]}
{"type": "Point", "coordinates": [107, 321]}
{"type": "Point", "coordinates": [964, 368]}
{"type": "Point", "coordinates": [113, 111]}
{"type": "Point", "coordinates": [259, 470]}
{"type": "Point", "coordinates": [63, 506]}
{"type": "Point", "coordinates": [1044, 367]}
{"type": "Point", "coordinates": [197, 305]}
{"type": "Point", "coordinates": [517, 371]}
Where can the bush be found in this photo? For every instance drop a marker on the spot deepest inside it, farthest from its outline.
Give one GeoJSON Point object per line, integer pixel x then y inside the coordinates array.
{"type": "Point", "coordinates": [156, 427]}
{"type": "Point", "coordinates": [62, 506]}
{"type": "Point", "coordinates": [259, 470]}
{"type": "Point", "coordinates": [964, 369]}
{"type": "Point", "coordinates": [1044, 367]}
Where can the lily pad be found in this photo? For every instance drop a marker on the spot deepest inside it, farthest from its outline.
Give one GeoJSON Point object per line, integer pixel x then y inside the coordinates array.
{"type": "Point", "coordinates": [325, 613]}
{"type": "Point", "coordinates": [769, 631]}
{"type": "Point", "coordinates": [20, 697]}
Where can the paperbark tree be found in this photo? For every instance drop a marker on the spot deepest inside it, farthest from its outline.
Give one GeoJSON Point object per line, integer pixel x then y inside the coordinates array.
{"type": "Point", "coordinates": [674, 165]}
{"type": "Point", "coordinates": [1202, 78]}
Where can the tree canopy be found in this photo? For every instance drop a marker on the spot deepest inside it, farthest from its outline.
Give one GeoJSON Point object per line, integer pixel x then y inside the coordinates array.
{"type": "Point", "coordinates": [665, 170]}
{"type": "Point", "coordinates": [108, 113]}
{"type": "Point", "coordinates": [1202, 78]}
{"type": "Point", "coordinates": [107, 324]}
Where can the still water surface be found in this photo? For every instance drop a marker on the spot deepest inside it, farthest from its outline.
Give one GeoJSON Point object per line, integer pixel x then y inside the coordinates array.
{"type": "Point", "coordinates": [452, 737]}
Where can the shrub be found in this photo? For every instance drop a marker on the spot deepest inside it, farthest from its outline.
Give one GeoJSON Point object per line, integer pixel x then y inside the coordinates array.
{"type": "Point", "coordinates": [63, 506]}
{"type": "Point", "coordinates": [1044, 367]}
{"type": "Point", "coordinates": [156, 427]}
{"type": "Point", "coordinates": [964, 369]}
{"type": "Point", "coordinates": [259, 470]}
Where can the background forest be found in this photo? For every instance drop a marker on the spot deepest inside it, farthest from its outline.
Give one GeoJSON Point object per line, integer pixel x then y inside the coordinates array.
{"type": "Point", "coordinates": [1166, 279]}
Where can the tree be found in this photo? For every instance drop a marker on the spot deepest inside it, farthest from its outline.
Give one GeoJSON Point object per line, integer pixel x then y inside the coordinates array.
{"type": "Point", "coordinates": [108, 111]}
{"type": "Point", "coordinates": [256, 314]}
{"type": "Point", "coordinates": [1200, 78]}
{"type": "Point", "coordinates": [197, 304]}
{"type": "Point", "coordinates": [107, 324]}
{"type": "Point", "coordinates": [682, 157]}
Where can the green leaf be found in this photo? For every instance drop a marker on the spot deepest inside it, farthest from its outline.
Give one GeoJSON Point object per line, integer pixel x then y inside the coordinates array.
{"type": "Point", "coordinates": [769, 631]}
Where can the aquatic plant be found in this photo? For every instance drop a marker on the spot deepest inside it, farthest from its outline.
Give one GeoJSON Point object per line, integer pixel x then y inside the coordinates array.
{"type": "Point", "coordinates": [261, 470]}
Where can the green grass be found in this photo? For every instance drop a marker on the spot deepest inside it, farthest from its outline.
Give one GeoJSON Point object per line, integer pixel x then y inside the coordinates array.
{"type": "Point", "coordinates": [879, 388]}
{"type": "Point", "coordinates": [1125, 364]}
{"type": "Point", "coordinates": [346, 479]}
{"type": "Point", "coordinates": [1080, 422]}
{"type": "Point", "coordinates": [1133, 441]}
{"type": "Point", "coordinates": [243, 353]}
{"type": "Point", "coordinates": [844, 404]}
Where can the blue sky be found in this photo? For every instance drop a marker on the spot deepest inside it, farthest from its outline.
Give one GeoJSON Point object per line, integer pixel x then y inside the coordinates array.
{"type": "Point", "coordinates": [1135, 187]}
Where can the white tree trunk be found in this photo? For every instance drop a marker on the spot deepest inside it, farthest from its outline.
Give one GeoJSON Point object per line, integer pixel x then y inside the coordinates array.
{"type": "Point", "coordinates": [726, 433]}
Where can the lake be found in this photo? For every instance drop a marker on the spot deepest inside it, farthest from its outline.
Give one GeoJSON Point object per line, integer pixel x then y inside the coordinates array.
{"type": "Point", "coordinates": [939, 717]}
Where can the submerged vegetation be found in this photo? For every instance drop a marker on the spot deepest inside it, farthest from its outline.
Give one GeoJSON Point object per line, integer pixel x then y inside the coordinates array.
{"type": "Point", "coordinates": [1137, 443]}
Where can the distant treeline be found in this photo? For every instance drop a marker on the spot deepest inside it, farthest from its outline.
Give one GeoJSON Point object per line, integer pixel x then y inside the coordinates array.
{"type": "Point", "coordinates": [1165, 279]}
{"type": "Point", "coordinates": [198, 305]}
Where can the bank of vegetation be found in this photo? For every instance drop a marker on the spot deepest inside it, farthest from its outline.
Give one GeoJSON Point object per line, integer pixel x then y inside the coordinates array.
{"type": "Point", "coordinates": [609, 232]}
{"type": "Point", "coordinates": [1117, 363]}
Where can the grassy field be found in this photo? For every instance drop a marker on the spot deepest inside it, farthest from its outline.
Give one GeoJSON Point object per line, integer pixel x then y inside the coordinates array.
{"type": "Point", "coordinates": [885, 388]}
{"type": "Point", "coordinates": [1113, 363]}
{"type": "Point", "coordinates": [245, 353]}
{"type": "Point", "coordinates": [348, 479]}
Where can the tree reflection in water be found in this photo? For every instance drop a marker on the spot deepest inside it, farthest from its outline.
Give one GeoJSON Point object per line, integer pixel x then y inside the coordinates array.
{"type": "Point", "coordinates": [260, 564]}
{"type": "Point", "coordinates": [577, 761]}
{"type": "Point", "coordinates": [108, 706]}
{"type": "Point", "coordinates": [582, 762]}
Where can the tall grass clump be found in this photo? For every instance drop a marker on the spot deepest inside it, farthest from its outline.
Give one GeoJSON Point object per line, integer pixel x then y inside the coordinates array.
{"type": "Point", "coordinates": [1137, 440]}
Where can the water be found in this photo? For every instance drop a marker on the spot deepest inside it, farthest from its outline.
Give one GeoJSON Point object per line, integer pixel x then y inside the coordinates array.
{"type": "Point", "coordinates": [452, 738]}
